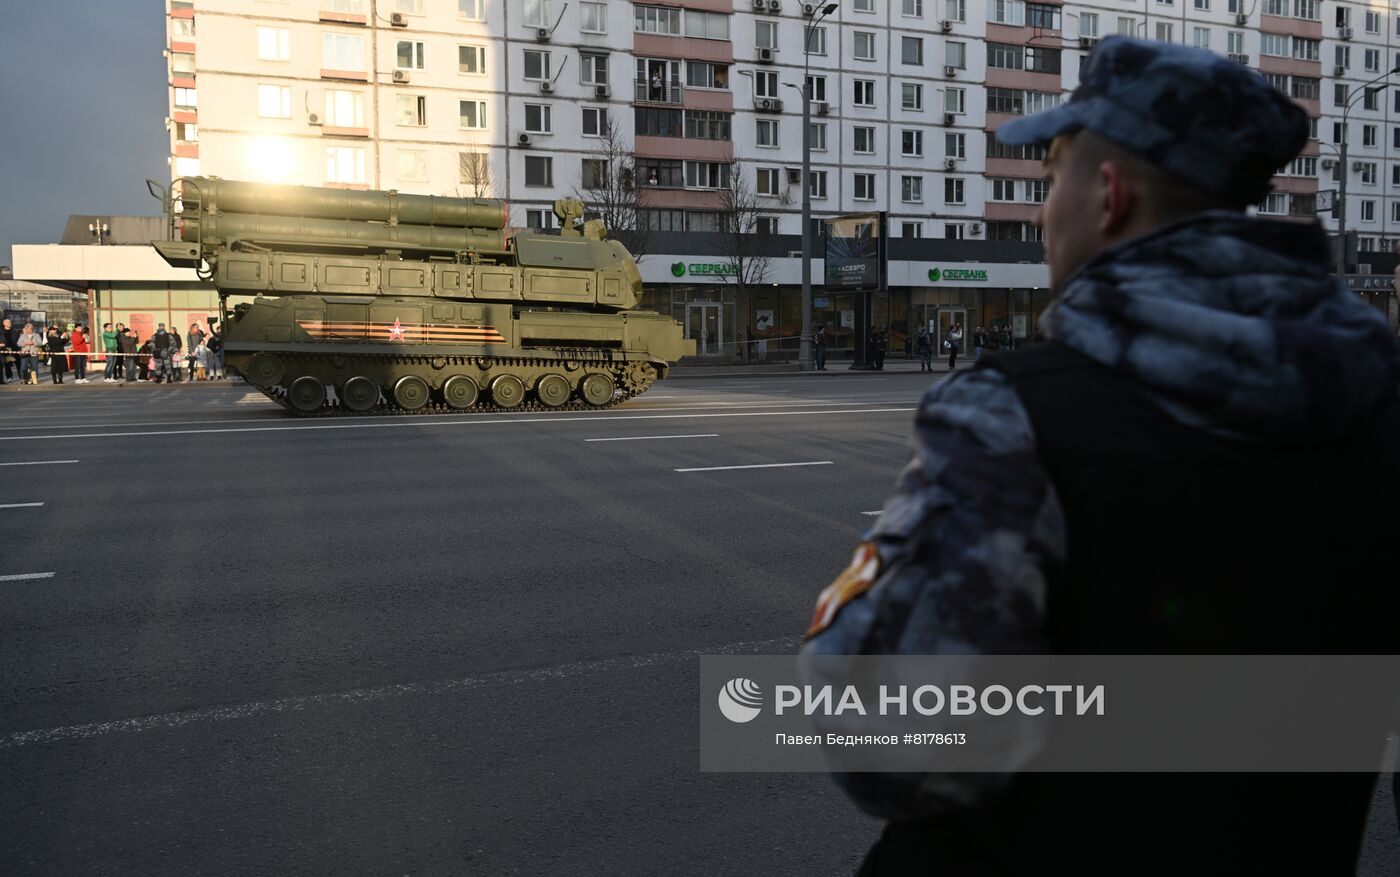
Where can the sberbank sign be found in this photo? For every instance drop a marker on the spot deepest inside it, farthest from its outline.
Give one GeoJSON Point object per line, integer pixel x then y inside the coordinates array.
{"type": "Point", "coordinates": [971, 274]}
{"type": "Point", "coordinates": [703, 269]}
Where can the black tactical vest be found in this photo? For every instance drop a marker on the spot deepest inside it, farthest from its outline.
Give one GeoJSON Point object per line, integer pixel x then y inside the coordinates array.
{"type": "Point", "coordinates": [1181, 542]}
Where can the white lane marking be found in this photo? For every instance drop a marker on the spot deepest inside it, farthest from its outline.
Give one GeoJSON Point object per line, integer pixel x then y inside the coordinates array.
{"type": "Point", "coordinates": [756, 466]}
{"type": "Point", "coordinates": [40, 463]}
{"type": "Point", "coordinates": [647, 438]}
{"type": "Point", "coordinates": [503, 679]}
{"type": "Point", "coordinates": [28, 575]}
{"type": "Point", "coordinates": [871, 513]}
{"type": "Point", "coordinates": [475, 421]}
{"type": "Point", "coordinates": [21, 505]}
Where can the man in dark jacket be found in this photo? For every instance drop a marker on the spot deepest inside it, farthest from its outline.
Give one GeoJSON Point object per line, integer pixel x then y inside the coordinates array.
{"type": "Point", "coordinates": [9, 349]}
{"type": "Point", "coordinates": [126, 345]}
{"type": "Point", "coordinates": [1164, 476]}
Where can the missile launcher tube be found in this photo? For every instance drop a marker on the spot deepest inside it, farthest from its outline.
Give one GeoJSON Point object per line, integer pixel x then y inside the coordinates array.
{"type": "Point", "coordinates": [340, 233]}
{"type": "Point", "coordinates": [226, 196]}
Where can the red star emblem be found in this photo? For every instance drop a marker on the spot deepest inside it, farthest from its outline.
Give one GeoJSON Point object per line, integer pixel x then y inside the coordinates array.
{"type": "Point", "coordinates": [396, 331]}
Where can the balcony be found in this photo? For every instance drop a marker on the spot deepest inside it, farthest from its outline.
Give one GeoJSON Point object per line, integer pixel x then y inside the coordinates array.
{"type": "Point", "coordinates": [659, 93]}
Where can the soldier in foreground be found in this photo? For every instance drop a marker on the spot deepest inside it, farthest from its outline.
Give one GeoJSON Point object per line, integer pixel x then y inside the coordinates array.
{"type": "Point", "coordinates": [1199, 460]}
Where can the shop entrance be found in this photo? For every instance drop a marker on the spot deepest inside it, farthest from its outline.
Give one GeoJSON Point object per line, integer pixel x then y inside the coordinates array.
{"type": "Point", "coordinates": [705, 324]}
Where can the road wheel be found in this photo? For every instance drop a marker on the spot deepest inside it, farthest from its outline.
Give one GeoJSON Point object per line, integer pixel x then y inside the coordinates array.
{"type": "Point", "coordinates": [507, 391]}
{"type": "Point", "coordinates": [553, 390]}
{"type": "Point", "coordinates": [460, 392]}
{"type": "Point", "coordinates": [307, 393]}
{"type": "Point", "coordinates": [359, 394]}
{"type": "Point", "coordinates": [265, 370]}
{"type": "Point", "coordinates": [411, 392]}
{"type": "Point", "coordinates": [597, 389]}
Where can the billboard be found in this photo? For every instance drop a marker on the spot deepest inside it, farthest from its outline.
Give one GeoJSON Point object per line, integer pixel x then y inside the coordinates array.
{"type": "Point", "coordinates": [855, 252]}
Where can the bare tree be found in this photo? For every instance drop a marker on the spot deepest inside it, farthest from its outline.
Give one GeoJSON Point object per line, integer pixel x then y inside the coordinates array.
{"type": "Point", "coordinates": [609, 188]}
{"type": "Point", "coordinates": [742, 246]}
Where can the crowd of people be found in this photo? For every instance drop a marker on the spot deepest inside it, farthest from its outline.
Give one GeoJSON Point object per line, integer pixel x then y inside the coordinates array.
{"type": "Point", "coordinates": [164, 357]}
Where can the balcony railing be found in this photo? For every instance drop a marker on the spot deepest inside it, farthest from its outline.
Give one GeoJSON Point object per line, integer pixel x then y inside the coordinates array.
{"type": "Point", "coordinates": [659, 93]}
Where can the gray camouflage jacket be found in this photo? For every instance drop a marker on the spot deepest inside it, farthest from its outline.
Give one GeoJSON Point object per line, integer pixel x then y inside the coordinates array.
{"type": "Point", "coordinates": [1231, 323]}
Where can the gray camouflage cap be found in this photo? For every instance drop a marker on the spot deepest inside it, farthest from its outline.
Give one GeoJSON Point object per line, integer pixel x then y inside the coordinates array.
{"type": "Point", "coordinates": [1216, 124]}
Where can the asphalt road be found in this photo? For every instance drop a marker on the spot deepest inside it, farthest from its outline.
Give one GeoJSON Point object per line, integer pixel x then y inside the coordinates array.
{"type": "Point", "coordinates": [419, 645]}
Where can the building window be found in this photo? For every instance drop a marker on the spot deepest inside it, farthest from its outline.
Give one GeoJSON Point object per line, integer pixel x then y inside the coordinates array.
{"type": "Point", "coordinates": [1302, 166]}
{"type": "Point", "coordinates": [595, 173]}
{"type": "Point", "coordinates": [767, 225]}
{"type": "Point", "coordinates": [1012, 12]}
{"type": "Point", "coordinates": [595, 121]}
{"type": "Point", "coordinates": [274, 102]}
{"type": "Point", "coordinates": [536, 13]}
{"type": "Point", "coordinates": [1373, 22]}
{"type": "Point", "coordinates": [864, 92]}
{"type": "Point", "coordinates": [912, 51]}
{"type": "Point", "coordinates": [863, 140]}
{"type": "Point", "coordinates": [816, 87]}
{"type": "Point", "coordinates": [707, 125]}
{"type": "Point", "coordinates": [767, 181]}
{"type": "Point", "coordinates": [1372, 60]}
{"type": "Point", "coordinates": [911, 189]}
{"type": "Point", "coordinates": [345, 164]}
{"type": "Point", "coordinates": [1368, 211]}
{"type": "Point", "coordinates": [706, 175]}
{"type": "Point", "coordinates": [1042, 16]}
{"type": "Point", "coordinates": [864, 187]}
{"type": "Point", "coordinates": [864, 5]}
{"type": "Point", "coordinates": [1305, 88]}
{"type": "Point", "coordinates": [412, 110]}
{"type": "Point", "coordinates": [1088, 24]}
{"type": "Point", "coordinates": [1370, 100]}
{"type": "Point", "coordinates": [814, 40]}
{"type": "Point", "coordinates": [955, 10]}
{"type": "Point", "coordinates": [539, 170]}
{"type": "Point", "coordinates": [953, 231]}
{"type": "Point", "coordinates": [912, 143]}
{"type": "Point", "coordinates": [704, 74]}
{"type": "Point", "coordinates": [1200, 37]}
{"type": "Point", "coordinates": [955, 55]}
{"type": "Point", "coordinates": [1234, 42]}
{"type": "Point", "coordinates": [345, 109]}
{"type": "Point", "coordinates": [274, 44]}
{"type": "Point", "coordinates": [540, 220]}
{"type": "Point", "coordinates": [913, 8]}
{"type": "Point", "coordinates": [657, 19]}
{"type": "Point", "coordinates": [817, 135]}
{"type": "Point", "coordinates": [1003, 190]}
{"type": "Point", "coordinates": [1368, 173]}
{"type": "Point", "coordinates": [1037, 191]}
{"type": "Point", "coordinates": [593, 17]}
{"type": "Point", "coordinates": [657, 122]}
{"type": "Point", "coordinates": [706, 25]}
{"type": "Point", "coordinates": [342, 52]}
{"type": "Point", "coordinates": [1368, 135]}
{"type": "Point", "coordinates": [471, 59]}
{"type": "Point", "coordinates": [666, 174]}
{"type": "Point", "coordinates": [1310, 10]}
{"type": "Point", "coordinates": [413, 165]}
{"type": "Point", "coordinates": [955, 145]}
{"type": "Point", "coordinates": [767, 133]}
{"type": "Point", "coordinates": [765, 35]}
{"type": "Point", "coordinates": [536, 65]}
{"type": "Point", "coordinates": [765, 84]}
{"type": "Point", "coordinates": [864, 46]}
{"type": "Point", "coordinates": [593, 69]}
{"type": "Point", "coordinates": [911, 96]}
{"type": "Point", "coordinates": [816, 184]}
{"type": "Point", "coordinates": [1274, 45]}
{"type": "Point", "coordinates": [186, 166]}
{"type": "Point", "coordinates": [953, 191]}
{"type": "Point", "coordinates": [471, 114]}
{"type": "Point", "coordinates": [1127, 27]}
{"type": "Point", "coordinates": [1164, 31]}
{"type": "Point", "coordinates": [409, 7]}
{"type": "Point", "coordinates": [537, 119]}
{"type": "Point", "coordinates": [1307, 50]}
{"type": "Point", "coordinates": [188, 132]}
{"type": "Point", "coordinates": [408, 55]}
{"type": "Point", "coordinates": [955, 101]}
{"type": "Point", "coordinates": [474, 10]}
{"type": "Point", "coordinates": [185, 98]}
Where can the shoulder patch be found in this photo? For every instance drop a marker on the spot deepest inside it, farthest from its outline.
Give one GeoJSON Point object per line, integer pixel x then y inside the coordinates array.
{"type": "Point", "coordinates": [855, 580]}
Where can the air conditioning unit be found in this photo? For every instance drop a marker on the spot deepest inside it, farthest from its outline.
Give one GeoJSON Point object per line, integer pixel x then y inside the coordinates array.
{"type": "Point", "coordinates": [601, 92]}
{"type": "Point", "coordinates": [975, 228]}
{"type": "Point", "coordinates": [1339, 70]}
{"type": "Point", "coordinates": [1241, 59]}
{"type": "Point", "coordinates": [1329, 163]}
{"type": "Point", "coordinates": [775, 5]}
{"type": "Point", "coordinates": [765, 56]}
{"type": "Point", "coordinates": [1241, 18]}
{"type": "Point", "coordinates": [949, 119]}
{"type": "Point", "coordinates": [547, 87]}
{"type": "Point", "coordinates": [1087, 42]}
{"type": "Point", "coordinates": [542, 34]}
{"type": "Point", "coordinates": [401, 76]}
{"type": "Point", "coordinates": [398, 19]}
{"type": "Point", "coordinates": [794, 176]}
{"type": "Point", "coordinates": [1345, 33]}
{"type": "Point", "coordinates": [809, 9]}
{"type": "Point", "coordinates": [821, 107]}
{"type": "Point", "coordinates": [945, 25]}
{"type": "Point", "coordinates": [768, 105]}
{"type": "Point", "coordinates": [522, 140]}
{"type": "Point", "coordinates": [950, 164]}
{"type": "Point", "coordinates": [950, 71]}
{"type": "Point", "coordinates": [760, 5]}
{"type": "Point", "coordinates": [1357, 165]}
{"type": "Point", "coordinates": [313, 119]}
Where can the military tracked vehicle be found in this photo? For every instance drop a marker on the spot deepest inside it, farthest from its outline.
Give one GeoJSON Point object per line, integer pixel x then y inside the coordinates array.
{"type": "Point", "coordinates": [352, 302]}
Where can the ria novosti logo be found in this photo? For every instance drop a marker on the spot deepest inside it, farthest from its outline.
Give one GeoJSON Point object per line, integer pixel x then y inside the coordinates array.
{"type": "Point", "coordinates": [741, 700]}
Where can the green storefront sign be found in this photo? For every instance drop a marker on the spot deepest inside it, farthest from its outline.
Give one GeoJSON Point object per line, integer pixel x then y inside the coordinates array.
{"type": "Point", "coordinates": [978, 275]}
{"type": "Point", "coordinates": [703, 269]}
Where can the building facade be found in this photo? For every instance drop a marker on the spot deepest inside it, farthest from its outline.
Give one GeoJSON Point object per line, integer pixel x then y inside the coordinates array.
{"type": "Point", "coordinates": [534, 100]}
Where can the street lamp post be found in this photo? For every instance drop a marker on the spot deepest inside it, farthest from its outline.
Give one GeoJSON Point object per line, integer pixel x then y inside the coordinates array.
{"type": "Point", "coordinates": [804, 356]}
{"type": "Point", "coordinates": [1345, 170]}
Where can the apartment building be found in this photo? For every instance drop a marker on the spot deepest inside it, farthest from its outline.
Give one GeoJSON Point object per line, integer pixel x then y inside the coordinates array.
{"type": "Point", "coordinates": [515, 99]}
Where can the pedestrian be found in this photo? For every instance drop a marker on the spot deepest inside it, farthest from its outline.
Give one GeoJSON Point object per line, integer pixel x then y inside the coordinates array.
{"type": "Point", "coordinates": [78, 343]}
{"type": "Point", "coordinates": [58, 363]}
{"type": "Point", "coordinates": [925, 345]}
{"type": "Point", "coordinates": [1004, 341]}
{"type": "Point", "coordinates": [177, 360]}
{"type": "Point", "coordinates": [216, 349]}
{"type": "Point", "coordinates": [146, 362]}
{"type": "Point", "coordinates": [950, 344]}
{"type": "Point", "coordinates": [819, 346]}
{"type": "Point", "coordinates": [1162, 476]}
{"type": "Point", "coordinates": [30, 343]}
{"type": "Point", "coordinates": [878, 346]}
{"type": "Point", "coordinates": [203, 361]}
{"type": "Point", "coordinates": [126, 348]}
{"type": "Point", "coordinates": [658, 86]}
{"type": "Point", "coordinates": [979, 344]}
{"type": "Point", "coordinates": [193, 340]}
{"type": "Point", "coordinates": [9, 351]}
{"type": "Point", "coordinates": [162, 349]}
{"type": "Point", "coordinates": [109, 351]}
